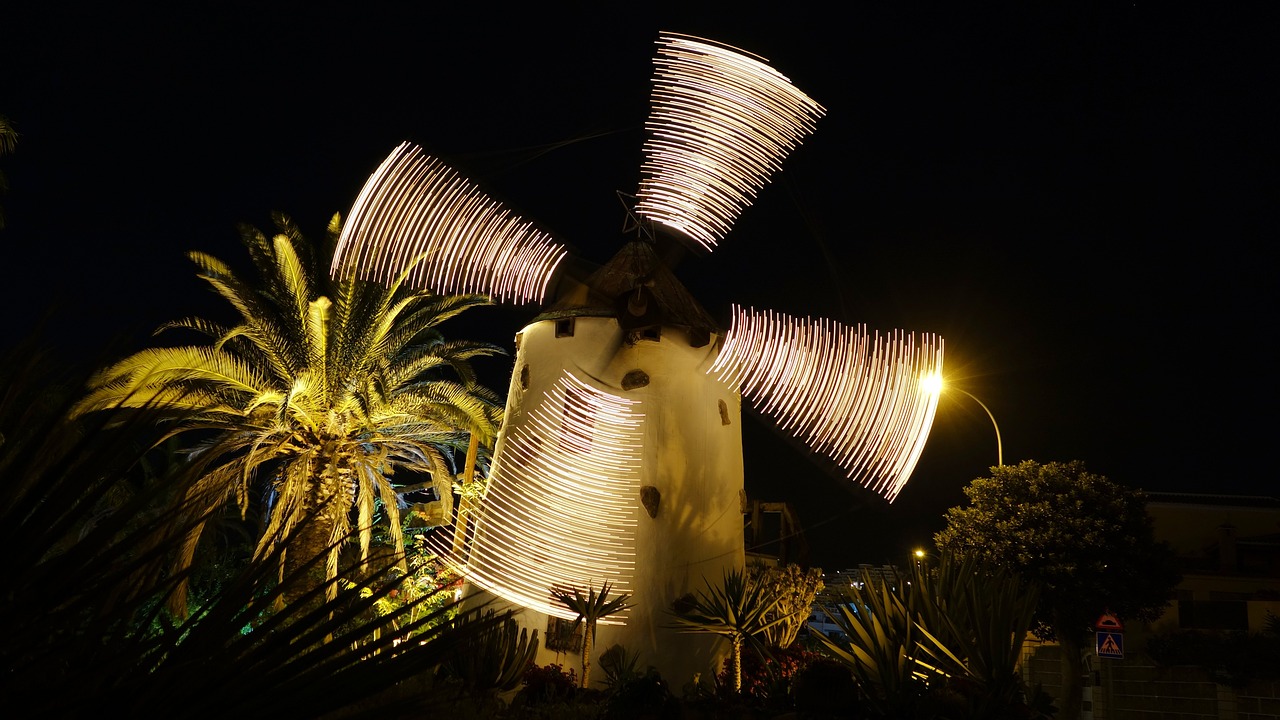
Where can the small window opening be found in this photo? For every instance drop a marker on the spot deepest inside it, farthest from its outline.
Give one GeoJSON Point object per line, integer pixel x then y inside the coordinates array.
{"type": "Point", "coordinates": [724, 413]}
{"type": "Point", "coordinates": [564, 327]}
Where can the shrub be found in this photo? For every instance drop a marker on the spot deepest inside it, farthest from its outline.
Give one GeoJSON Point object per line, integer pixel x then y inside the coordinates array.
{"type": "Point", "coordinates": [548, 684]}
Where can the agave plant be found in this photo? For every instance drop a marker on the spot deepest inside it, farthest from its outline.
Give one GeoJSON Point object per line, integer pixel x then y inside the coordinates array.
{"type": "Point", "coordinates": [591, 608]}
{"type": "Point", "coordinates": [740, 608]}
{"type": "Point", "coordinates": [958, 619]}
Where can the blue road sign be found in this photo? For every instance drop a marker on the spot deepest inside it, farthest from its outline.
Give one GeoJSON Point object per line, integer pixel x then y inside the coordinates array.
{"type": "Point", "coordinates": [1110, 644]}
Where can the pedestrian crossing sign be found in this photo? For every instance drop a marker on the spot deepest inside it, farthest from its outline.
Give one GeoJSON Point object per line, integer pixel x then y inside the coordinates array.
{"type": "Point", "coordinates": [1110, 645]}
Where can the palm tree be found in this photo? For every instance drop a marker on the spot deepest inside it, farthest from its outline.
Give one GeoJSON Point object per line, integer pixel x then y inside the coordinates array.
{"type": "Point", "coordinates": [305, 408]}
{"type": "Point", "coordinates": [79, 635]}
{"type": "Point", "coordinates": [741, 608]}
{"type": "Point", "coordinates": [591, 608]}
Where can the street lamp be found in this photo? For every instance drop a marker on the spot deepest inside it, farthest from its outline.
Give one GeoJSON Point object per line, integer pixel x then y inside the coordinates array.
{"type": "Point", "coordinates": [934, 383]}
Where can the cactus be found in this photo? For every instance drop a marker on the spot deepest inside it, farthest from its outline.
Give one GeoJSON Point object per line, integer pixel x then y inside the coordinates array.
{"type": "Point", "coordinates": [496, 659]}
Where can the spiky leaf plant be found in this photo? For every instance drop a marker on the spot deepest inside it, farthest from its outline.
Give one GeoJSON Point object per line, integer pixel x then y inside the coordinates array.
{"type": "Point", "coordinates": [740, 608]}
{"type": "Point", "coordinates": [591, 608]}
{"type": "Point", "coordinates": [959, 618]}
{"type": "Point", "coordinates": [494, 660]}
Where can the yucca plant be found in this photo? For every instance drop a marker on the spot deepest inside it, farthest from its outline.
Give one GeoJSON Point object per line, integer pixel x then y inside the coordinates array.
{"type": "Point", "coordinates": [974, 620]}
{"type": "Point", "coordinates": [739, 609]}
{"type": "Point", "coordinates": [591, 608]}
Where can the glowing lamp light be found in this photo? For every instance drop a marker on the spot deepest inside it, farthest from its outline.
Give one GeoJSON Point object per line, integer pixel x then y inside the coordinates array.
{"type": "Point", "coordinates": [937, 385]}
{"type": "Point", "coordinates": [932, 383]}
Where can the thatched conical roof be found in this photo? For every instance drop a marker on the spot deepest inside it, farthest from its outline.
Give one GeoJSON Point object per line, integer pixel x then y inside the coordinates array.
{"type": "Point", "coordinates": [638, 289]}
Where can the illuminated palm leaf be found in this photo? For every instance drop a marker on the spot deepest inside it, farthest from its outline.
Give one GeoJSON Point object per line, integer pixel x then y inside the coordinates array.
{"type": "Point", "coordinates": [318, 400]}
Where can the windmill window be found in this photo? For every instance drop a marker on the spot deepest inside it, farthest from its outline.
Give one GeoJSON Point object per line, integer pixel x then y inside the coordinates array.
{"type": "Point", "coordinates": [724, 413]}
{"type": "Point", "coordinates": [651, 333]}
{"type": "Point", "coordinates": [564, 327]}
{"type": "Point", "coordinates": [561, 637]}
{"type": "Point", "coordinates": [524, 377]}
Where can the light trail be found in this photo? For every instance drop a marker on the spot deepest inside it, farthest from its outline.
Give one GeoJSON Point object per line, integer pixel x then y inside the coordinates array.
{"type": "Point", "coordinates": [415, 215]}
{"type": "Point", "coordinates": [857, 398]}
{"type": "Point", "coordinates": [721, 123]}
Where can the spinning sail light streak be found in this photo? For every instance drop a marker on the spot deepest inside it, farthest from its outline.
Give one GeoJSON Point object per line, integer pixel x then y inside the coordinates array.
{"type": "Point", "coordinates": [415, 213]}
{"type": "Point", "coordinates": [562, 503]}
{"type": "Point", "coordinates": [720, 126]}
{"type": "Point", "coordinates": [859, 399]}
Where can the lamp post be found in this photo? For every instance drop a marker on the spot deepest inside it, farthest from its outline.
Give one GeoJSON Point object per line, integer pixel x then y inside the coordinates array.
{"type": "Point", "coordinates": [999, 445]}
{"type": "Point", "coordinates": [935, 384]}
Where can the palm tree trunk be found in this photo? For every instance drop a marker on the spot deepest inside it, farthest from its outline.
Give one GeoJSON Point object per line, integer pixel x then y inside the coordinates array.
{"type": "Point", "coordinates": [588, 636]}
{"type": "Point", "coordinates": [314, 537]}
{"type": "Point", "coordinates": [464, 502]}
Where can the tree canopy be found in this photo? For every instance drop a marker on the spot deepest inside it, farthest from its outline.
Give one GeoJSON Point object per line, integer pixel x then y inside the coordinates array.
{"type": "Point", "coordinates": [1087, 540]}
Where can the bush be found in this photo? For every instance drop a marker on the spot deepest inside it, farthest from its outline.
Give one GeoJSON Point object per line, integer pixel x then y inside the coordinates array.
{"type": "Point", "coordinates": [548, 684]}
{"type": "Point", "coordinates": [1234, 659]}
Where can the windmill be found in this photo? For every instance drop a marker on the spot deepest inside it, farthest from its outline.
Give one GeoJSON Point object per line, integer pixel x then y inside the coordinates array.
{"type": "Point", "coordinates": [620, 457]}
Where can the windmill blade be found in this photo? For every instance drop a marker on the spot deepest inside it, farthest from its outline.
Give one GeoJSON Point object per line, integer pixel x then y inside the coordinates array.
{"type": "Point", "coordinates": [858, 398]}
{"type": "Point", "coordinates": [417, 215]}
{"type": "Point", "coordinates": [720, 126]}
{"type": "Point", "coordinates": [561, 506]}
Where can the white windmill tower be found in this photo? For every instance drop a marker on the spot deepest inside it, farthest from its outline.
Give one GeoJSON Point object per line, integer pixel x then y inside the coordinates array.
{"type": "Point", "coordinates": [620, 456]}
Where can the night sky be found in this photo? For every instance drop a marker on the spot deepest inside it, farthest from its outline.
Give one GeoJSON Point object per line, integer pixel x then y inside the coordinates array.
{"type": "Point", "coordinates": [1079, 198]}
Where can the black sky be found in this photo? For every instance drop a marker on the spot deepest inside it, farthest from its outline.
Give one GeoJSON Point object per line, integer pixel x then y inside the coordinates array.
{"type": "Point", "coordinates": [1079, 197]}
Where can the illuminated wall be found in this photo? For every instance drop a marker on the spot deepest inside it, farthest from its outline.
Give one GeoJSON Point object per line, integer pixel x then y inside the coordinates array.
{"type": "Point", "coordinates": [690, 453]}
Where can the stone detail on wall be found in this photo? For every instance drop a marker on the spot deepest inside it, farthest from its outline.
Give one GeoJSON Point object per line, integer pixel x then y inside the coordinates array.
{"type": "Point", "coordinates": [650, 496]}
{"type": "Point", "coordinates": [635, 379]}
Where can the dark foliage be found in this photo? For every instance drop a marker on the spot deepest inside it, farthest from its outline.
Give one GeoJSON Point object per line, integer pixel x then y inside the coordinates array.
{"type": "Point", "coordinates": [768, 676]}
{"type": "Point", "coordinates": [1236, 659]}
{"type": "Point", "coordinates": [548, 684]}
{"type": "Point", "coordinates": [82, 626]}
